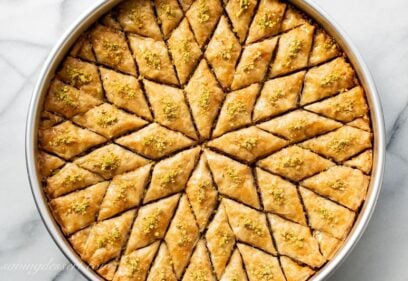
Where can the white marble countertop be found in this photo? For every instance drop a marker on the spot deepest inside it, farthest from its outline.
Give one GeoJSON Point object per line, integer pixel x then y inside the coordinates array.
{"type": "Point", "coordinates": [29, 29]}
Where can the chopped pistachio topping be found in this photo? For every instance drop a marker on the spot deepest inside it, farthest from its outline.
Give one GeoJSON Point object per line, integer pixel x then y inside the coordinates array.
{"type": "Point", "coordinates": [79, 207]}
{"type": "Point", "coordinates": [204, 100]}
{"type": "Point", "coordinates": [63, 138]}
{"type": "Point", "coordinates": [152, 59]}
{"type": "Point", "coordinates": [243, 7]}
{"type": "Point", "coordinates": [234, 175]}
{"type": "Point", "coordinates": [125, 90]}
{"type": "Point", "coordinates": [170, 109]}
{"type": "Point", "coordinates": [199, 275]}
{"type": "Point", "coordinates": [330, 79]}
{"type": "Point", "coordinates": [109, 162]}
{"type": "Point", "coordinates": [226, 53]}
{"type": "Point", "coordinates": [73, 179]}
{"type": "Point", "coordinates": [151, 222]}
{"type": "Point", "coordinates": [297, 125]}
{"type": "Point", "coordinates": [203, 12]}
{"type": "Point", "coordinates": [133, 265]}
{"type": "Point", "coordinates": [114, 51]}
{"type": "Point", "coordinates": [251, 66]}
{"type": "Point", "coordinates": [294, 239]}
{"type": "Point", "coordinates": [202, 191]}
{"type": "Point", "coordinates": [264, 273]}
{"type": "Point", "coordinates": [184, 50]}
{"type": "Point", "coordinates": [77, 77]}
{"type": "Point", "coordinates": [252, 225]}
{"type": "Point", "coordinates": [235, 108]}
{"type": "Point", "coordinates": [224, 239]}
{"type": "Point", "coordinates": [157, 143]}
{"type": "Point", "coordinates": [234, 277]}
{"type": "Point", "coordinates": [137, 17]}
{"type": "Point", "coordinates": [292, 162]}
{"type": "Point", "coordinates": [123, 188]}
{"type": "Point", "coordinates": [338, 184]}
{"type": "Point", "coordinates": [111, 238]}
{"type": "Point", "coordinates": [184, 239]}
{"type": "Point", "coordinates": [62, 95]}
{"type": "Point", "coordinates": [330, 43]}
{"type": "Point", "coordinates": [107, 119]}
{"type": "Point", "coordinates": [327, 215]}
{"type": "Point", "coordinates": [294, 48]}
{"type": "Point", "coordinates": [169, 178]}
{"type": "Point", "coordinates": [275, 96]}
{"type": "Point", "coordinates": [268, 20]}
{"type": "Point", "coordinates": [248, 143]}
{"type": "Point", "coordinates": [277, 194]}
{"type": "Point", "coordinates": [347, 106]}
{"type": "Point", "coordinates": [339, 145]}
{"type": "Point", "coordinates": [165, 9]}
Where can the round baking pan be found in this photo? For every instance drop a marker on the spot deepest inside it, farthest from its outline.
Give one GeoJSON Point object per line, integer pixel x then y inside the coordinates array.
{"type": "Point", "coordinates": [308, 7]}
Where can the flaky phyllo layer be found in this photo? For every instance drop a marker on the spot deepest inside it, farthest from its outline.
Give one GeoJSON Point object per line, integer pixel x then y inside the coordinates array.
{"type": "Point", "coordinates": [205, 140]}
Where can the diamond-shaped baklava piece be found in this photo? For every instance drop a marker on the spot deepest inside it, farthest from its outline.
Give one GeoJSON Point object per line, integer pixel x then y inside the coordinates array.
{"type": "Point", "coordinates": [67, 140]}
{"type": "Point", "coordinates": [184, 51]}
{"type": "Point", "coordinates": [280, 196]}
{"type": "Point", "coordinates": [267, 20]}
{"type": "Point", "coordinates": [236, 110]}
{"type": "Point", "coordinates": [151, 222]}
{"type": "Point", "coordinates": [344, 185]}
{"type": "Point", "coordinates": [344, 107]}
{"type": "Point", "coordinates": [260, 265]}
{"type": "Point", "coordinates": [67, 100]}
{"type": "Point", "coordinates": [169, 15]}
{"type": "Point", "coordinates": [162, 268]}
{"type": "Point", "coordinates": [153, 59]}
{"type": "Point", "coordinates": [235, 269]}
{"type": "Point", "coordinates": [248, 144]}
{"type": "Point", "coordinates": [138, 16]}
{"type": "Point", "coordinates": [328, 244]}
{"type": "Point", "coordinates": [249, 226]}
{"type": "Point", "coordinates": [327, 79]}
{"type": "Point", "coordinates": [202, 193]}
{"type": "Point", "coordinates": [222, 53]}
{"type": "Point", "coordinates": [299, 125]}
{"type": "Point", "coordinates": [240, 13]}
{"type": "Point", "coordinates": [204, 97]}
{"type": "Point", "coordinates": [326, 215]}
{"type": "Point", "coordinates": [170, 108]}
{"type": "Point", "coordinates": [47, 164]}
{"type": "Point", "coordinates": [296, 241]}
{"type": "Point", "coordinates": [79, 209]}
{"type": "Point", "coordinates": [108, 120]}
{"type": "Point", "coordinates": [203, 15]}
{"type": "Point", "coordinates": [341, 144]}
{"type": "Point", "coordinates": [233, 178]}
{"type": "Point", "coordinates": [253, 63]}
{"type": "Point", "coordinates": [70, 178]}
{"type": "Point", "coordinates": [124, 91]}
{"type": "Point", "coordinates": [200, 265]}
{"type": "Point", "coordinates": [324, 48]}
{"type": "Point", "coordinates": [295, 163]}
{"type": "Point", "coordinates": [294, 271]}
{"type": "Point", "coordinates": [111, 49]}
{"type": "Point", "coordinates": [220, 241]}
{"type": "Point", "coordinates": [155, 141]}
{"type": "Point", "coordinates": [293, 50]}
{"type": "Point", "coordinates": [363, 161]}
{"type": "Point", "coordinates": [81, 75]}
{"type": "Point", "coordinates": [182, 236]}
{"type": "Point", "coordinates": [124, 192]}
{"type": "Point", "coordinates": [278, 95]}
{"type": "Point", "coordinates": [111, 160]}
{"type": "Point", "coordinates": [171, 175]}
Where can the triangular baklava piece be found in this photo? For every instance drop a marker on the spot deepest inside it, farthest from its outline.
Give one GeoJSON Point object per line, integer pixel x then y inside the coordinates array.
{"type": "Point", "coordinates": [78, 239]}
{"type": "Point", "coordinates": [344, 185]}
{"type": "Point", "coordinates": [79, 209]}
{"type": "Point", "coordinates": [108, 270]}
{"type": "Point", "coordinates": [67, 140]}
{"type": "Point", "coordinates": [155, 141]}
{"type": "Point", "coordinates": [280, 196]}
{"type": "Point", "coordinates": [184, 51]}
{"type": "Point", "coordinates": [67, 100]}
{"type": "Point", "coordinates": [181, 236]}
{"type": "Point", "coordinates": [341, 144]}
{"type": "Point", "coordinates": [296, 241]}
{"type": "Point", "coordinates": [253, 63]}
{"type": "Point", "coordinates": [109, 20]}
{"type": "Point", "coordinates": [170, 108]}
{"type": "Point", "coordinates": [220, 241]}
{"type": "Point", "coordinates": [299, 125]}
{"type": "Point", "coordinates": [235, 269]}
{"type": "Point", "coordinates": [203, 15]}
{"type": "Point", "coordinates": [111, 49]}
{"type": "Point", "coordinates": [363, 161]}
{"type": "Point", "coordinates": [267, 20]}
{"type": "Point", "coordinates": [47, 163]}
{"type": "Point", "coordinates": [152, 222]}
{"type": "Point", "coordinates": [70, 178]}
{"type": "Point", "coordinates": [48, 120]}
{"type": "Point", "coordinates": [248, 144]}
{"type": "Point", "coordinates": [138, 16]}
{"type": "Point", "coordinates": [328, 244]}
{"type": "Point", "coordinates": [295, 163]}
{"type": "Point", "coordinates": [278, 95]}
{"type": "Point", "coordinates": [171, 175]}
{"type": "Point", "coordinates": [162, 268]}
{"type": "Point", "coordinates": [111, 160]}
{"type": "Point", "coordinates": [83, 48]}
{"type": "Point", "coordinates": [204, 96]}
{"type": "Point", "coordinates": [294, 271]}
{"type": "Point", "coordinates": [124, 192]}
{"type": "Point", "coordinates": [201, 192]}
{"type": "Point", "coordinates": [185, 4]}
{"type": "Point", "coordinates": [293, 50]}
{"type": "Point", "coordinates": [233, 178]}
{"type": "Point", "coordinates": [81, 75]}
{"type": "Point", "coordinates": [324, 48]}
{"type": "Point", "coordinates": [124, 91]}
{"type": "Point", "coordinates": [222, 53]}
{"type": "Point", "coordinates": [249, 226]}
{"type": "Point", "coordinates": [362, 123]}
{"type": "Point", "coordinates": [109, 121]}
{"type": "Point", "coordinates": [240, 14]}
{"type": "Point", "coordinates": [327, 79]}
{"type": "Point", "coordinates": [153, 59]}
{"type": "Point", "coordinates": [236, 110]}
{"type": "Point", "coordinates": [136, 265]}
{"type": "Point", "coordinates": [259, 265]}
{"type": "Point", "coordinates": [169, 15]}
{"type": "Point", "coordinates": [326, 215]}
{"type": "Point", "coordinates": [292, 19]}
{"type": "Point", "coordinates": [344, 107]}
{"type": "Point", "coordinates": [200, 265]}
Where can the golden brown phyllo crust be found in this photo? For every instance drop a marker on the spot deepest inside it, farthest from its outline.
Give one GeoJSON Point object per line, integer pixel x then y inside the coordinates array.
{"type": "Point", "coordinates": [205, 140]}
